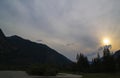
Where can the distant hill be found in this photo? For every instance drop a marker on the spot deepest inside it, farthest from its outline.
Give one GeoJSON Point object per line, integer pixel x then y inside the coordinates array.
{"type": "Point", "coordinates": [117, 54]}
{"type": "Point", "coordinates": [16, 50]}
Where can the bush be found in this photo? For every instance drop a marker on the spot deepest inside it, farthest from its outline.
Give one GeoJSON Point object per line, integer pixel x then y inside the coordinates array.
{"type": "Point", "coordinates": [42, 70]}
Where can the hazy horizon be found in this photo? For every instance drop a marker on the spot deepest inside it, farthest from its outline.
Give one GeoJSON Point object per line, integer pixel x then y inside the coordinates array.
{"type": "Point", "coordinates": [68, 26]}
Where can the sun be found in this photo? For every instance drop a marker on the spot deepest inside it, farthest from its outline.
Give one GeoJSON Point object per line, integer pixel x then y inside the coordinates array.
{"type": "Point", "coordinates": [106, 41]}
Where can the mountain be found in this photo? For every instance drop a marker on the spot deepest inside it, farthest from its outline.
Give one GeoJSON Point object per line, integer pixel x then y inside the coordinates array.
{"type": "Point", "coordinates": [5, 46]}
{"type": "Point", "coordinates": [117, 54]}
{"type": "Point", "coordinates": [17, 50]}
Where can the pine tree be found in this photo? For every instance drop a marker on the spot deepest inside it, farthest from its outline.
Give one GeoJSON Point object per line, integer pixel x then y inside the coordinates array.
{"type": "Point", "coordinates": [108, 62]}
{"type": "Point", "coordinates": [96, 64]}
{"type": "Point", "coordinates": [82, 63]}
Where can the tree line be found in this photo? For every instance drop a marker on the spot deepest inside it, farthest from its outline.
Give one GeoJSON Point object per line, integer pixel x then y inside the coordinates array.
{"type": "Point", "coordinates": [105, 64]}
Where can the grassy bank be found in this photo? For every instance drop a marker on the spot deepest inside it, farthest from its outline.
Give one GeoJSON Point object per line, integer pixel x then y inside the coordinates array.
{"type": "Point", "coordinates": [102, 75]}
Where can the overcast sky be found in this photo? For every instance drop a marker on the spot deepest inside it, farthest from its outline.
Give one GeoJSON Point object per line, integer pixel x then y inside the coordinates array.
{"type": "Point", "coordinates": [68, 26]}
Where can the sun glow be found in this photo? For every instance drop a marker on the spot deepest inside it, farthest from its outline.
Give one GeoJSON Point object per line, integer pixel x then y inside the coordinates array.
{"type": "Point", "coordinates": [106, 41]}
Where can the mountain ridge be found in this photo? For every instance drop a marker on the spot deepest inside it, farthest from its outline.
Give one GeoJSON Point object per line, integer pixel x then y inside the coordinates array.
{"type": "Point", "coordinates": [27, 52]}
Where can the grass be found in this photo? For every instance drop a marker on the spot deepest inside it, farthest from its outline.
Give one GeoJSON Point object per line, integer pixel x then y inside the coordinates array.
{"type": "Point", "coordinates": [102, 75]}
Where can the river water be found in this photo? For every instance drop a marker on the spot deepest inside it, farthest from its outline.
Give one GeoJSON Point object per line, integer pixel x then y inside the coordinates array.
{"type": "Point", "coordinates": [23, 74]}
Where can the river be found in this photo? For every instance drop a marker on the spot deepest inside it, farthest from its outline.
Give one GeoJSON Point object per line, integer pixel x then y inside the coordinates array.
{"type": "Point", "coordinates": [23, 74]}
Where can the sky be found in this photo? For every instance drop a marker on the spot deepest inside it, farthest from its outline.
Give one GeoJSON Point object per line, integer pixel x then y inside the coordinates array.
{"type": "Point", "coordinates": [68, 26]}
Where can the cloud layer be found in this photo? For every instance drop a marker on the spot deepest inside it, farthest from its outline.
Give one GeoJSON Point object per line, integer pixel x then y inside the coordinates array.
{"type": "Point", "coordinates": [69, 26]}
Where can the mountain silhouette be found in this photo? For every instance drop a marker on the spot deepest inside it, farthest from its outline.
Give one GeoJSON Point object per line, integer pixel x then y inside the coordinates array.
{"type": "Point", "coordinates": [117, 54]}
{"type": "Point", "coordinates": [19, 51]}
{"type": "Point", "coordinates": [5, 46]}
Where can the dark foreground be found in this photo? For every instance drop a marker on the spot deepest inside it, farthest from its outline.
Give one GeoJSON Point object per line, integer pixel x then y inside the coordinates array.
{"type": "Point", "coordinates": [22, 74]}
{"type": "Point", "coordinates": [102, 75]}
